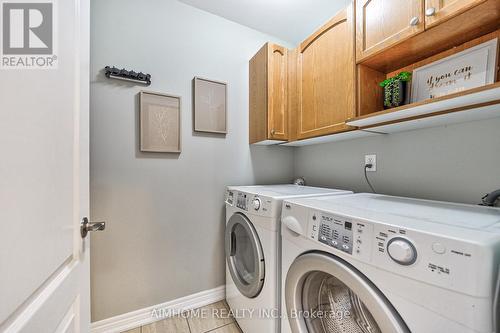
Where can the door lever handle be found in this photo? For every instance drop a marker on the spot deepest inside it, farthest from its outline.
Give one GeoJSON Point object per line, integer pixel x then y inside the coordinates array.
{"type": "Point", "coordinates": [87, 226]}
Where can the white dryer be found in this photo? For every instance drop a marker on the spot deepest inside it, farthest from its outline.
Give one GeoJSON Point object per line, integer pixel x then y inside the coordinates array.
{"type": "Point", "coordinates": [252, 242]}
{"type": "Point", "coordinates": [380, 264]}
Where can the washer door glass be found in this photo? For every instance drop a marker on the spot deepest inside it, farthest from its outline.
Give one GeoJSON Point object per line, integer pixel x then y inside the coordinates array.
{"type": "Point", "coordinates": [334, 307]}
{"type": "Point", "coordinates": [325, 294]}
{"type": "Point", "coordinates": [244, 255]}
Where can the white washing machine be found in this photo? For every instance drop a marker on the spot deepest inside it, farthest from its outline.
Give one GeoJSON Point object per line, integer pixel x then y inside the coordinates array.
{"type": "Point", "coordinates": [253, 252]}
{"type": "Point", "coordinates": [380, 264]}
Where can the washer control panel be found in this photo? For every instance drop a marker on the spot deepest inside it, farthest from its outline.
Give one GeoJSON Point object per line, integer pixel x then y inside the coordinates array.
{"type": "Point", "coordinates": [445, 261]}
{"type": "Point", "coordinates": [341, 233]}
{"type": "Point", "coordinates": [335, 232]}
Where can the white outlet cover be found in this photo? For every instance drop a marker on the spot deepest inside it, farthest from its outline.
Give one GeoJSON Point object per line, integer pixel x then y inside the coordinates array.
{"type": "Point", "coordinates": [371, 159]}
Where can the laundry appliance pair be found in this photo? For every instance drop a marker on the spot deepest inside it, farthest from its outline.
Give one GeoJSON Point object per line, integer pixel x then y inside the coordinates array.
{"type": "Point", "coordinates": [359, 263]}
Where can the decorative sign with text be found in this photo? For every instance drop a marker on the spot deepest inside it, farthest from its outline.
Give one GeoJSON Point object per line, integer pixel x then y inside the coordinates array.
{"type": "Point", "coordinates": [474, 67]}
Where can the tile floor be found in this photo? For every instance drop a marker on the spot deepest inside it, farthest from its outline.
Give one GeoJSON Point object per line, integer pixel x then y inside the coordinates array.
{"type": "Point", "coordinates": [193, 324]}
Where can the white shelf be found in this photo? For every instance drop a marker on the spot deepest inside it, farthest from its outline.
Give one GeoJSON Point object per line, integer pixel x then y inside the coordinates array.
{"type": "Point", "coordinates": [481, 113]}
{"type": "Point", "coordinates": [330, 138]}
{"type": "Point", "coordinates": [268, 143]}
{"type": "Point", "coordinates": [477, 104]}
{"type": "Point", "coordinates": [470, 100]}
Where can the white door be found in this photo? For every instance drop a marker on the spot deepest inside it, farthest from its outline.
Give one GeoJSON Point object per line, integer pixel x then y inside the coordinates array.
{"type": "Point", "coordinates": [44, 156]}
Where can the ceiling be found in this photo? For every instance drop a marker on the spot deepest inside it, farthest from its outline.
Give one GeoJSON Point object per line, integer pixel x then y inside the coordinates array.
{"type": "Point", "coordinates": [289, 20]}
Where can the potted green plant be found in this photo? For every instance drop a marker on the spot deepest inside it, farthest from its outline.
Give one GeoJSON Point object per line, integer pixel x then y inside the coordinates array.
{"type": "Point", "coordinates": [396, 90]}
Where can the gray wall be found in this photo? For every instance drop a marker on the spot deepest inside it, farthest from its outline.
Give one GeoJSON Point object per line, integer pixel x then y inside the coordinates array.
{"type": "Point", "coordinates": [454, 163]}
{"type": "Point", "coordinates": [165, 213]}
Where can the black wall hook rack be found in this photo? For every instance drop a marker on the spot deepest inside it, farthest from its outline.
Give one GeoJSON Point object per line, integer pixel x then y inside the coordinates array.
{"type": "Point", "coordinates": [123, 74]}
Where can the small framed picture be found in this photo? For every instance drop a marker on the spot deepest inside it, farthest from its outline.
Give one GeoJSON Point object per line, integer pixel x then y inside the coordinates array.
{"type": "Point", "coordinates": [160, 118]}
{"type": "Point", "coordinates": [471, 68]}
{"type": "Point", "coordinates": [210, 114]}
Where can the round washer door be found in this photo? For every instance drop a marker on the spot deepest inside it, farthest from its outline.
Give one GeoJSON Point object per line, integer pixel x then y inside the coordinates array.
{"type": "Point", "coordinates": [326, 294]}
{"type": "Point", "coordinates": [244, 255]}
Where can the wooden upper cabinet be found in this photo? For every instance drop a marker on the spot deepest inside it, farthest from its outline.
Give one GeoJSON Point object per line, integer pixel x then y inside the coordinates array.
{"type": "Point", "coordinates": [382, 23]}
{"type": "Point", "coordinates": [277, 98]}
{"type": "Point", "coordinates": [326, 78]}
{"type": "Point", "coordinates": [386, 40]}
{"type": "Point", "coordinates": [268, 94]}
{"type": "Point", "coordinates": [438, 11]}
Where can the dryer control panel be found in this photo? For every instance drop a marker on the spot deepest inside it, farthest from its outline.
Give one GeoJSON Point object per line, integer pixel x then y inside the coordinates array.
{"type": "Point", "coordinates": [253, 204]}
{"type": "Point", "coordinates": [242, 201]}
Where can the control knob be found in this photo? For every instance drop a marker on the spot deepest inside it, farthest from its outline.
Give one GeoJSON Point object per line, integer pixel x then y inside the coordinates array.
{"type": "Point", "coordinates": [402, 251]}
{"type": "Point", "coordinates": [256, 203]}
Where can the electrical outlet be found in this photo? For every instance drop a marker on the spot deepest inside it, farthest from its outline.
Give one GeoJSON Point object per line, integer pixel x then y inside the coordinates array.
{"type": "Point", "coordinates": [371, 159]}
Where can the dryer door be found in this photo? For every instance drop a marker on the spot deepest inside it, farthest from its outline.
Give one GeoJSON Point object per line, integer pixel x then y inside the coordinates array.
{"type": "Point", "coordinates": [326, 294]}
{"type": "Point", "coordinates": [244, 255]}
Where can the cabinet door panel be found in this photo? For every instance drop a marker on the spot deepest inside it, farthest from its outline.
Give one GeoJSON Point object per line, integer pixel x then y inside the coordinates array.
{"type": "Point", "coordinates": [382, 23]}
{"type": "Point", "coordinates": [326, 78]}
{"type": "Point", "coordinates": [438, 11]}
{"type": "Point", "coordinates": [278, 111]}
{"type": "Point", "coordinates": [258, 101]}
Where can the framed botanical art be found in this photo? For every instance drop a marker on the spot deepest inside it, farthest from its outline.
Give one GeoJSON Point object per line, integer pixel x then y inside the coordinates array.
{"type": "Point", "coordinates": [209, 101]}
{"type": "Point", "coordinates": [160, 118]}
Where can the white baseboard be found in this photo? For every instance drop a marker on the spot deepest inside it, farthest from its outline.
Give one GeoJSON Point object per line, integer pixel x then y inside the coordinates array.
{"type": "Point", "coordinates": [144, 316]}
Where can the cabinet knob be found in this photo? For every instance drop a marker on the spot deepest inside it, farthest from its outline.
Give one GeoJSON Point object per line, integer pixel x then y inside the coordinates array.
{"type": "Point", "coordinates": [273, 131]}
{"type": "Point", "coordinates": [414, 21]}
{"type": "Point", "coordinates": [430, 11]}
